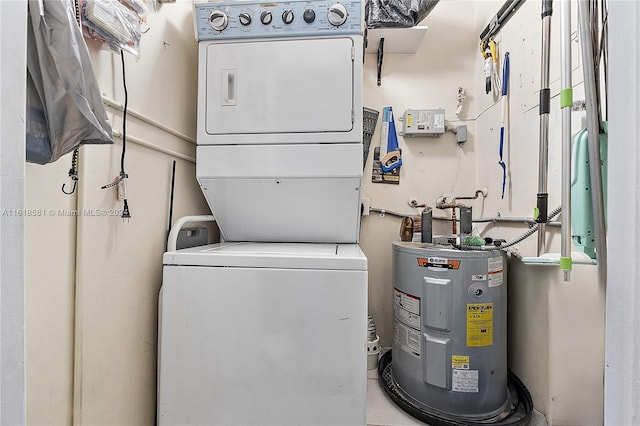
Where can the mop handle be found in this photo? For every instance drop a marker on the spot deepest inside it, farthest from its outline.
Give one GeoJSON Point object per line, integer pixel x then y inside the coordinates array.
{"type": "Point", "coordinates": [505, 74]}
{"type": "Point", "coordinates": [505, 82]}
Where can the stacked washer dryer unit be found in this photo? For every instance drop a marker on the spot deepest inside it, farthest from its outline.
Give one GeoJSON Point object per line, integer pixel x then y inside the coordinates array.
{"type": "Point", "coordinates": [269, 327]}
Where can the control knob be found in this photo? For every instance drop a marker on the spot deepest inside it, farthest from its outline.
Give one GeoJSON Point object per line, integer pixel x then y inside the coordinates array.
{"type": "Point", "coordinates": [218, 20]}
{"type": "Point", "coordinates": [244, 18]}
{"type": "Point", "coordinates": [266, 17]}
{"type": "Point", "coordinates": [309, 16]}
{"type": "Point", "coordinates": [337, 14]}
{"type": "Point", "coordinates": [287, 16]}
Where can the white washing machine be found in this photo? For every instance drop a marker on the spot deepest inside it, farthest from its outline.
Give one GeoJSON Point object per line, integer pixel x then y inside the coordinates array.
{"type": "Point", "coordinates": [263, 334]}
{"type": "Point", "coordinates": [272, 331]}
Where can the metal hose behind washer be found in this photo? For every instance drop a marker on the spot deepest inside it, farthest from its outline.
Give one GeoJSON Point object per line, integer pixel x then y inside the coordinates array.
{"type": "Point", "coordinates": [371, 329]}
{"type": "Point", "coordinates": [522, 237]}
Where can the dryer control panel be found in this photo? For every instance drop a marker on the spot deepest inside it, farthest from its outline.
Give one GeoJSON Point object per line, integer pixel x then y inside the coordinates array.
{"type": "Point", "coordinates": [242, 19]}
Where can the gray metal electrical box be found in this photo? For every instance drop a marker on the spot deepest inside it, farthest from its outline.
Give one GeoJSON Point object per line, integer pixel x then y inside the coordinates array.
{"type": "Point", "coordinates": [423, 122]}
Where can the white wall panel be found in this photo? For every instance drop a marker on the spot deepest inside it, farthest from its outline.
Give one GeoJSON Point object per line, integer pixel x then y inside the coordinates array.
{"type": "Point", "coordinates": [13, 47]}
{"type": "Point", "coordinates": [622, 375]}
{"type": "Point", "coordinates": [50, 247]}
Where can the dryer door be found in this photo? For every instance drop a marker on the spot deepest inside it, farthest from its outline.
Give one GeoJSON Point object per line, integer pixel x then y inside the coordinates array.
{"type": "Point", "coordinates": [279, 86]}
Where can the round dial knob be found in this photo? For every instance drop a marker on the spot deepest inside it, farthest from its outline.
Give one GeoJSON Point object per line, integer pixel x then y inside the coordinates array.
{"type": "Point", "coordinates": [309, 16]}
{"type": "Point", "coordinates": [287, 16]}
{"type": "Point", "coordinates": [337, 14]}
{"type": "Point", "coordinates": [266, 17]}
{"type": "Point", "coordinates": [244, 18]}
{"type": "Point", "coordinates": [218, 20]}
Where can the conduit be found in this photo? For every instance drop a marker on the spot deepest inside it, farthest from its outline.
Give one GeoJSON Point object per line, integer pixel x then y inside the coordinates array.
{"type": "Point", "coordinates": [519, 220]}
{"type": "Point", "coordinates": [513, 242]}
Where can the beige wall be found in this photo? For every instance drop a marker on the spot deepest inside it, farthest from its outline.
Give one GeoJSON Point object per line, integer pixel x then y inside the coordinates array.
{"type": "Point", "coordinates": [449, 57]}
{"type": "Point", "coordinates": [50, 248]}
{"type": "Point", "coordinates": [431, 166]}
{"type": "Point", "coordinates": [556, 340]}
{"type": "Point", "coordinates": [522, 38]}
{"type": "Point", "coordinates": [92, 282]}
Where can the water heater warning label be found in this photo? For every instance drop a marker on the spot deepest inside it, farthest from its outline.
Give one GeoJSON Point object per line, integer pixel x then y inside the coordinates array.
{"type": "Point", "coordinates": [406, 301]}
{"type": "Point", "coordinates": [407, 339]}
{"type": "Point", "coordinates": [464, 380]}
{"type": "Point", "coordinates": [406, 312]}
{"type": "Point", "coordinates": [496, 271]}
{"type": "Point", "coordinates": [479, 324]}
{"type": "Point", "coordinates": [406, 317]}
{"type": "Point", "coordinates": [460, 362]}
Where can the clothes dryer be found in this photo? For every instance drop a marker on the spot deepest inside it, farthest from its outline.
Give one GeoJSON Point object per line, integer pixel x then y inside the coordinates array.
{"type": "Point", "coordinates": [279, 136]}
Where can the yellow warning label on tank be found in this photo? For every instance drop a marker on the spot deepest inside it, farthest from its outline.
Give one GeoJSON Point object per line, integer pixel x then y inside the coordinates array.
{"type": "Point", "coordinates": [479, 324]}
{"type": "Point", "coordinates": [460, 362]}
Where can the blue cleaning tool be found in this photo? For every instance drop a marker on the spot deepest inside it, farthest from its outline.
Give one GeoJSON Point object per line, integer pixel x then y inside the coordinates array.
{"type": "Point", "coordinates": [390, 157]}
{"type": "Point", "coordinates": [505, 83]}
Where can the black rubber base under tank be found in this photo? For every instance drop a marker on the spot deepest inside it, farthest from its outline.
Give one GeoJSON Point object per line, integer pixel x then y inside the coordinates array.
{"type": "Point", "coordinates": [518, 413]}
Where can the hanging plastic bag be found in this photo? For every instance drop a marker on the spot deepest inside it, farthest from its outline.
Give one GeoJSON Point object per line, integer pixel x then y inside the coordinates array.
{"type": "Point", "coordinates": [64, 107]}
{"type": "Point", "coordinates": [397, 13]}
{"type": "Point", "coordinates": [113, 23]}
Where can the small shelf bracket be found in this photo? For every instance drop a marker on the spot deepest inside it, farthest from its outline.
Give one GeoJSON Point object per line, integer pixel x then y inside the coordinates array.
{"type": "Point", "coordinates": [380, 59]}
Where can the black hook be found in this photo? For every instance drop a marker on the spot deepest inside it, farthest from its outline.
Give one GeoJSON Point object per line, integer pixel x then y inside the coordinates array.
{"type": "Point", "coordinates": [73, 172]}
{"type": "Point", "coordinates": [75, 182]}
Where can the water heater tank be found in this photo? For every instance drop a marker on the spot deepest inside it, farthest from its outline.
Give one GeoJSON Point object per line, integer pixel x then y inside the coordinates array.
{"type": "Point", "coordinates": [450, 333]}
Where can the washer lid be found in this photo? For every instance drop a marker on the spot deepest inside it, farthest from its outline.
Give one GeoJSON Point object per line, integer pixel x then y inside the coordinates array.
{"type": "Point", "coordinates": [272, 255]}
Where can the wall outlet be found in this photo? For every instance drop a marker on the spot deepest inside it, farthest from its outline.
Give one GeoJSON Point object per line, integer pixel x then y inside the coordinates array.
{"type": "Point", "coordinates": [365, 205]}
{"type": "Point", "coordinates": [461, 134]}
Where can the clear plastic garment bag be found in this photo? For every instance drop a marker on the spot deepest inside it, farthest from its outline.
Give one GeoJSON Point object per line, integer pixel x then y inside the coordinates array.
{"type": "Point", "coordinates": [64, 107]}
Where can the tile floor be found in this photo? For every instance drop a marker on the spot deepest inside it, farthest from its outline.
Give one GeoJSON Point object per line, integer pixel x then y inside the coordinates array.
{"type": "Point", "coordinates": [381, 410]}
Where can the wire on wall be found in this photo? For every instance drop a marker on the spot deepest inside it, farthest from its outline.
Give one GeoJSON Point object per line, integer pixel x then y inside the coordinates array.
{"type": "Point", "coordinates": [121, 180]}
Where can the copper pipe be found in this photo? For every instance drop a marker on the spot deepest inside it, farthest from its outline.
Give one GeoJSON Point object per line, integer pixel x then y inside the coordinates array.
{"type": "Point", "coordinates": [454, 222]}
{"type": "Point", "coordinates": [453, 205]}
{"type": "Point", "coordinates": [478, 192]}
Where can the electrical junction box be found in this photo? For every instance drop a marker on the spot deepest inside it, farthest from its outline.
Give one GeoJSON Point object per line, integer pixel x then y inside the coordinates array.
{"type": "Point", "coordinates": [423, 122]}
